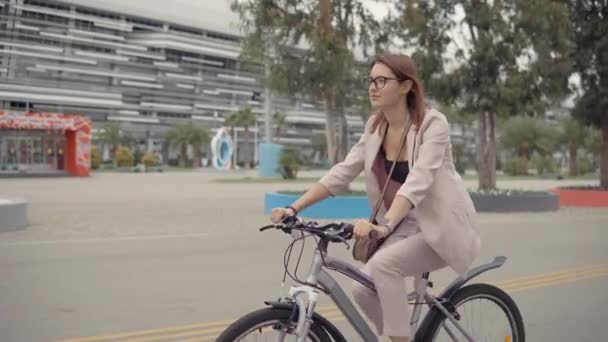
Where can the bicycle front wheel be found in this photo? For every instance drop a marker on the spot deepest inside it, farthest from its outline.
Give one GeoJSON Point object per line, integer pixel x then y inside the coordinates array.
{"type": "Point", "coordinates": [486, 313]}
{"type": "Point", "coordinates": [269, 324]}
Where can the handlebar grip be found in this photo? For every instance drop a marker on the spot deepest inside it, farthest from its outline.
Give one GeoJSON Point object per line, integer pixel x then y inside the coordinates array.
{"type": "Point", "coordinates": [267, 227]}
{"type": "Point", "coordinates": [348, 228]}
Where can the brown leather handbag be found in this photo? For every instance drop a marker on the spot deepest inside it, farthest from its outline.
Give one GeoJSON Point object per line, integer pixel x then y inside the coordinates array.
{"type": "Point", "coordinates": [365, 247]}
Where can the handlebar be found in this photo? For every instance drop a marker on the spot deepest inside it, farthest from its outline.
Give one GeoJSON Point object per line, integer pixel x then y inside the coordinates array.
{"type": "Point", "coordinates": [332, 232]}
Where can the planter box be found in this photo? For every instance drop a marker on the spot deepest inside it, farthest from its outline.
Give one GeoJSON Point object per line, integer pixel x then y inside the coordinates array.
{"type": "Point", "coordinates": [582, 197]}
{"type": "Point", "coordinates": [339, 207]}
{"type": "Point", "coordinates": [355, 207]}
{"type": "Point", "coordinates": [13, 214]}
{"type": "Point", "coordinates": [518, 202]}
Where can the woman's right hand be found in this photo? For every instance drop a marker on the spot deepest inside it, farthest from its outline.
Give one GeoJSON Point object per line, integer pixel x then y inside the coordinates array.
{"type": "Point", "coordinates": [279, 214]}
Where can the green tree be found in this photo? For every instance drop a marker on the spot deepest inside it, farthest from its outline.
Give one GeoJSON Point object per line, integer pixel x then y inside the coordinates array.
{"type": "Point", "coordinates": [589, 28]}
{"type": "Point", "coordinates": [114, 136]}
{"type": "Point", "coordinates": [326, 70]}
{"type": "Point", "coordinates": [183, 135]}
{"type": "Point", "coordinates": [508, 58]}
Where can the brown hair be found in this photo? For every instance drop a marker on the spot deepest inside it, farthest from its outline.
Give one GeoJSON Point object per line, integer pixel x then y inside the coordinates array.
{"type": "Point", "coordinates": [404, 67]}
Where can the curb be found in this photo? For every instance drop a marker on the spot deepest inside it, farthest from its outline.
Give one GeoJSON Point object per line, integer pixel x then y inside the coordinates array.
{"type": "Point", "coordinates": [13, 214]}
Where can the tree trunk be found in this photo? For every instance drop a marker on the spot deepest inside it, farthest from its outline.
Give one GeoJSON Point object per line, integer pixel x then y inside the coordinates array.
{"type": "Point", "coordinates": [196, 156]}
{"type": "Point", "coordinates": [250, 151]}
{"type": "Point", "coordinates": [182, 155]}
{"type": "Point", "coordinates": [330, 135]}
{"type": "Point", "coordinates": [486, 151]}
{"type": "Point", "coordinates": [343, 143]}
{"type": "Point", "coordinates": [573, 156]}
{"type": "Point", "coordinates": [330, 128]}
{"type": "Point", "coordinates": [604, 155]}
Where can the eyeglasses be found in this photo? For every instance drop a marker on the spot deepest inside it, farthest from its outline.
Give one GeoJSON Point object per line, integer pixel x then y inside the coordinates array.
{"type": "Point", "coordinates": [379, 81]}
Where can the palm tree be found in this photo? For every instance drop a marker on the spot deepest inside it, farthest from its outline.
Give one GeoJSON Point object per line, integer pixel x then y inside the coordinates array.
{"type": "Point", "coordinates": [112, 135]}
{"type": "Point", "coordinates": [279, 119]}
{"type": "Point", "coordinates": [187, 134]}
{"type": "Point", "coordinates": [527, 136]}
{"type": "Point", "coordinates": [199, 136]}
{"type": "Point", "coordinates": [244, 117]}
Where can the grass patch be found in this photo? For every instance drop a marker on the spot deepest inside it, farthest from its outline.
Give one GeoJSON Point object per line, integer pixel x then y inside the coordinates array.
{"type": "Point", "coordinates": [507, 192]}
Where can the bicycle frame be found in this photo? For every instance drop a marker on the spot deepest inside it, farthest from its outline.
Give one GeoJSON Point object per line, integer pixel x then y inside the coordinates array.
{"type": "Point", "coordinates": [318, 276]}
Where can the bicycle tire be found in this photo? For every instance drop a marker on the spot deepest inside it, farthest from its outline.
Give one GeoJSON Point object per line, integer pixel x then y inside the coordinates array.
{"type": "Point", "coordinates": [495, 294]}
{"type": "Point", "coordinates": [253, 319]}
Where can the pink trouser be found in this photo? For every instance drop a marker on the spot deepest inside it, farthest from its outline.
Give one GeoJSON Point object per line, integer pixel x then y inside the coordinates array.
{"type": "Point", "coordinates": [400, 256]}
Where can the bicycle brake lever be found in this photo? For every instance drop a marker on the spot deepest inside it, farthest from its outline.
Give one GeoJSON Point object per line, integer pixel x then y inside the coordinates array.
{"type": "Point", "coordinates": [344, 241]}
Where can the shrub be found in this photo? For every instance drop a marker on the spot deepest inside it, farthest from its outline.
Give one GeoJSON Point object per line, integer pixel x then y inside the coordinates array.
{"type": "Point", "coordinates": [149, 160]}
{"type": "Point", "coordinates": [585, 165]}
{"type": "Point", "coordinates": [95, 157]}
{"type": "Point", "coordinates": [516, 167]}
{"type": "Point", "coordinates": [544, 164]}
{"type": "Point", "coordinates": [290, 163]}
{"type": "Point", "coordinates": [123, 157]}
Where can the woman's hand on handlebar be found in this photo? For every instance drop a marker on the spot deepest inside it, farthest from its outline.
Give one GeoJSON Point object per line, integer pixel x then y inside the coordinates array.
{"type": "Point", "coordinates": [364, 228]}
{"type": "Point", "coordinates": [279, 214]}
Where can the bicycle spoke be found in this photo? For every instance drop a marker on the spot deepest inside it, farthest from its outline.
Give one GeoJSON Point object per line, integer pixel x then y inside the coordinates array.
{"type": "Point", "coordinates": [483, 318]}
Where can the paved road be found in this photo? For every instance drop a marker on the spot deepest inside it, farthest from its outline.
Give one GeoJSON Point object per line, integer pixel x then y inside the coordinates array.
{"type": "Point", "coordinates": [173, 257]}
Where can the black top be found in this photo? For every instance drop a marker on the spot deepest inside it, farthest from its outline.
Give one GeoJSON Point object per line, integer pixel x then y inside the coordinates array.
{"type": "Point", "coordinates": [402, 168]}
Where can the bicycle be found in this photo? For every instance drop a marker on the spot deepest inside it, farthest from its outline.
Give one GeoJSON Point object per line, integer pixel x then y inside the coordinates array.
{"type": "Point", "coordinates": [294, 319]}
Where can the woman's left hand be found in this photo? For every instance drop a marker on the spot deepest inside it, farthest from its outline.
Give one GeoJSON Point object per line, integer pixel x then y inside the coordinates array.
{"type": "Point", "coordinates": [363, 228]}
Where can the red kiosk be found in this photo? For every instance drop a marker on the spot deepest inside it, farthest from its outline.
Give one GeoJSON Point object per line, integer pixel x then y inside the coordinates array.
{"type": "Point", "coordinates": [44, 143]}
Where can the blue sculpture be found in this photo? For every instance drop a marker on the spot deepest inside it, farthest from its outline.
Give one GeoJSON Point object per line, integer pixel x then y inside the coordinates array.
{"type": "Point", "coordinates": [222, 149]}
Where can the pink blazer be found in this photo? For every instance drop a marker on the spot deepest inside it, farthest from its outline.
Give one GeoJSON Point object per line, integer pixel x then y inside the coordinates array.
{"type": "Point", "coordinates": [442, 205]}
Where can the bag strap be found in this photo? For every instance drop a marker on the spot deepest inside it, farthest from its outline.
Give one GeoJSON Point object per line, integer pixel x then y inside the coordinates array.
{"type": "Point", "coordinates": [388, 178]}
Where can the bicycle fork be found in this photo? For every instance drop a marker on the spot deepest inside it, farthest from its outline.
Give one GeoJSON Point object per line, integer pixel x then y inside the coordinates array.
{"type": "Point", "coordinates": [306, 310]}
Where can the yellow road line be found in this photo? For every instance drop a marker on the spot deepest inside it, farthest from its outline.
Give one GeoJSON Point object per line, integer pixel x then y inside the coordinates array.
{"type": "Point", "coordinates": [202, 330]}
{"type": "Point", "coordinates": [572, 276]}
{"type": "Point", "coordinates": [336, 317]}
{"type": "Point", "coordinates": [164, 337]}
{"type": "Point", "coordinates": [550, 275]}
{"type": "Point", "coordinates": [151, 331]}
{"type": "Point", "coordinates": [562, 281]}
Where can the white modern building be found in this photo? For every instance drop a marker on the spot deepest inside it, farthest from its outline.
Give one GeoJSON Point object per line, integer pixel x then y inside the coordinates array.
{"type": "Point", "coordinates": [145, 63]}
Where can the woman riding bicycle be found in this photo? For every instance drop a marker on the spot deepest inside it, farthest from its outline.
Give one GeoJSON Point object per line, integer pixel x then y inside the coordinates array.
{"type": "Point", "coordinates": [426, 216]}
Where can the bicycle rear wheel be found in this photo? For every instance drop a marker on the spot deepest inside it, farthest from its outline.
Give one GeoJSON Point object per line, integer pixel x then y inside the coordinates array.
{"type": "Point", "coordinates": [485, 312]}
{"type": "Point", "coordinates": [269, 324]}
